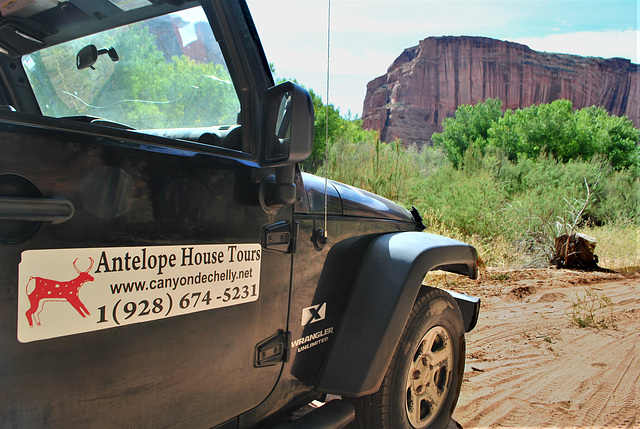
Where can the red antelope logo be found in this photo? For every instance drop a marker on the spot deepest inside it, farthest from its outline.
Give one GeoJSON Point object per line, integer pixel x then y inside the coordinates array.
{"type": "Point", "coordinates": [46, 289]}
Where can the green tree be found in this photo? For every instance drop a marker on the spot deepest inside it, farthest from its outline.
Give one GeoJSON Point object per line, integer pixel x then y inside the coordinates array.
{"type": "Point", "coordinates": [470, 126]}
{"type": "Point", "coordinates": [183, 93]}
{"type": "Point", "coordinates": [553, 129]}
{"type": "Point", "coordinates": [614, 137]}
{"type": "Point", "coordinates": [557, 130]}
{"type": "Point", "coordinates": [339, 128]}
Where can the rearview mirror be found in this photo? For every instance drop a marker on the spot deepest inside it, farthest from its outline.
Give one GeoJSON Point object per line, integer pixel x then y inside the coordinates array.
{"type": "Point", "coordinates": [287, 125]}
{"type": "Point", "coordinates": [88, 56]}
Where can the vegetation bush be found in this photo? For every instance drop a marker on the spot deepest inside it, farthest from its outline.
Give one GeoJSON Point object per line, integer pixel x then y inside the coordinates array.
{"type": "Point", "coordinates": [553, 129]}
{"type": "Point", "coordinates": [508, 184]}
{"type": "Point", "coordinates": [592, 310]}
{"type": "Point", "coordinates": [344, 128]}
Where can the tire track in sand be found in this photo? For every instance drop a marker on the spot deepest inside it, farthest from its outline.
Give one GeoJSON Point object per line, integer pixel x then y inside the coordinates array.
{"type": "Point", "coordinates": [526, 366]}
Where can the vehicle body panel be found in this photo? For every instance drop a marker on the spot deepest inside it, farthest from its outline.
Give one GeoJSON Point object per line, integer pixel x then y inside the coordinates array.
{"type": "Point", "coordinates": [360, 203]}
{"type": "Point", "coordinates": [383, 293]}
{"type": "Point", "coordinates": [151, 199]}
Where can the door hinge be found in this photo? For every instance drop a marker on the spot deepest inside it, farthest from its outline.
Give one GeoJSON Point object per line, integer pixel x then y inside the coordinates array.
{"type": "Point", "coordinates": [273, 350]}
{"type": "Point", "coordinates": [280, 237]}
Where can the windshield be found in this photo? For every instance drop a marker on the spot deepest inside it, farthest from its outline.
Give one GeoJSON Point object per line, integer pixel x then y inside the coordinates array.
{"type": "Point", "coordinates": [167, 72]}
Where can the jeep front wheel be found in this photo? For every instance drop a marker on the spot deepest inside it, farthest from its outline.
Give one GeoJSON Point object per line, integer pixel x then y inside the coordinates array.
{"type": "Point", "coordinates": [422, 384]}
{"type": "Point", "coordinates": [428, 378]}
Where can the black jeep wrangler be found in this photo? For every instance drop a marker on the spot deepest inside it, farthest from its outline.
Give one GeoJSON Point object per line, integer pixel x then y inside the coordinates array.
{"type": "Point", "coordinates": [165, 263]}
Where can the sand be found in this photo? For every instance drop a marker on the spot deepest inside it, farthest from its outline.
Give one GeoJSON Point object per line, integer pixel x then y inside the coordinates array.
{"type": "Point", "coordinates": [529, 365]}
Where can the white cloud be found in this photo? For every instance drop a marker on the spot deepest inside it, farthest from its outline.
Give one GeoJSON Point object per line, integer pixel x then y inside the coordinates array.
{"type": "Point", "coordinates": [606, 44]}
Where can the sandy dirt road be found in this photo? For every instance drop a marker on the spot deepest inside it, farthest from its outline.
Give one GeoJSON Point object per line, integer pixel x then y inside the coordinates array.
{"type": "Point", "coordinates": [528, 365]}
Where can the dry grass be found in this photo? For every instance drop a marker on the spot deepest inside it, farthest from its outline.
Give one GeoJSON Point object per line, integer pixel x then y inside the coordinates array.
{"type": "Point", "coordinates": [617, 246]}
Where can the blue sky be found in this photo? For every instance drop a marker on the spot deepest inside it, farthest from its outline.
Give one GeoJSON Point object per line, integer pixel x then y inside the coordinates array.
{"type": "Point", "coordinates": [367, 35]}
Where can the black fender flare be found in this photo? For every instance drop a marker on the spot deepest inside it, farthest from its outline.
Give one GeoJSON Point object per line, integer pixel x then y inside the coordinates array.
{"type": "Point", "coordinates": [383, 294]}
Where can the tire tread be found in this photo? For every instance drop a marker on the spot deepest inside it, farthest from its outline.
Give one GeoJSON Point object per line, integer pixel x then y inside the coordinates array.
{"type": "Point", "coordinates": [373, 411]}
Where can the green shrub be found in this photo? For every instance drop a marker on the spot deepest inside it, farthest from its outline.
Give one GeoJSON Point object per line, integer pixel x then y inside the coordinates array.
{"type": "Point", "coordinates": [553, 129]}
{"type": "Point", "coordinates": [509, 205]}
{"type": "Point", "coordinates": [386, 169]}
{"type": "Point", "coordinates": [593, 310]}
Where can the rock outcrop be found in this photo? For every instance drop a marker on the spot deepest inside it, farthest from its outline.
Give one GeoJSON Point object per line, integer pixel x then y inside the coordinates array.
{"type": "Point", "coordinates": [426, 83]}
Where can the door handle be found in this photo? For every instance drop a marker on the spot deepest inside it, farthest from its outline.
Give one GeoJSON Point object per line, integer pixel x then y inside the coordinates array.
{"type": "Point", "coordinates": [54, 210]}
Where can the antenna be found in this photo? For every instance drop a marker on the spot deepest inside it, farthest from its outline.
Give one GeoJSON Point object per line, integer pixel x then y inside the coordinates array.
{"type": "Point", "coordinates": [321, 236]}
{"type": "Point", "coordinates": [326, 134]}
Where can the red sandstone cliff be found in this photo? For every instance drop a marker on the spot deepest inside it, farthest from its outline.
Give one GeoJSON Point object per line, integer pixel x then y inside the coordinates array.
{"type": "Point", "coordinates": [427, 82]}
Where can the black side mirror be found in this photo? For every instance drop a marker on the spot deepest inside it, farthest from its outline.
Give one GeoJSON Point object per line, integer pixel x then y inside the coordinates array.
{"type": "Point", "coordinates": [287, 125]}
{"type": "Point", "coordinates": [88, 56]}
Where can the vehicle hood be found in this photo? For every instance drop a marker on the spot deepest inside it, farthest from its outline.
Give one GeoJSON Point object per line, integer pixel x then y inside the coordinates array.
{"type": "Point", "coordinates": [360, 203]}
{"type": "Point", "coordinates": [350, 201]}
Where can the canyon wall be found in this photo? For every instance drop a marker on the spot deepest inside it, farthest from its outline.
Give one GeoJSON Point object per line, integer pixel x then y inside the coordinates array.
{"type": "Point", "coordinates": [426, 83]}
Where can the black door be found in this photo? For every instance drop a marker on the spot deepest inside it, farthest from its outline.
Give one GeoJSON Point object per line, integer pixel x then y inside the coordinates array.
{"type": "Point", "coordinates": [134, 286]}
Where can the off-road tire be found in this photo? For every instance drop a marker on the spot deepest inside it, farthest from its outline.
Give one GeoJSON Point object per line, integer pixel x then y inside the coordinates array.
{"type": "Point", "coordinates": [418, 375]}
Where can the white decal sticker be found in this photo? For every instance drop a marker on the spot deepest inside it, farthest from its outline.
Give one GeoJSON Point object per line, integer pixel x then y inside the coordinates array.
{"type": "Point", "coordinates": [70, 291]}
{"type": "Point", "coordinates": [28, 62]}
{"type": "Point", "coordinates": [317, 338]}
{"type": "Point", "coordinates": [313, 314]}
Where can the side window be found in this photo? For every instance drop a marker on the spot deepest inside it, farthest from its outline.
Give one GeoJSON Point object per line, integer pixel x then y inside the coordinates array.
{"type": "Point", "coordinates": [166, 73]}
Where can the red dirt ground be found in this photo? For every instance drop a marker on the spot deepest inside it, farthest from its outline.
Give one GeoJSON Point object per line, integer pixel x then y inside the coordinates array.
{"type": "Point", "coordinates": [529, 365]}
